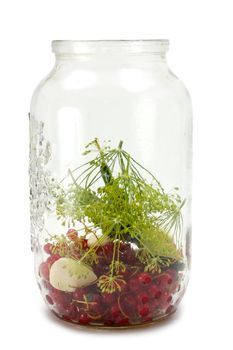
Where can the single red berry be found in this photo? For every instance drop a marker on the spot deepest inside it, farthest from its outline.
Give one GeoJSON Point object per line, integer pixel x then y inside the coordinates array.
{"type": "Point", "coordinates": [46, 285]}
{"type": "Point", "coordinates": [125, 251]}
{"type": "Point", "coordinates": [165, 300]}
{"type": "Point", "coordinates": [95, 297]}
{"type": "Point", "coordinates": [115, 310]}
{"type": "Point", "coordinates": [79, 293]}
{"type": "Point", "coordinates": [44, 270]}
{"type": "Point", "coordinates": [53, 258]}
{"type": "Point", "coordinates": [107, 321]}
{"type": "Point", "coordinates": [123, 286]}
{"type": "Point", "coordinates": [143, 297]}
{"type": "Point", "coordinates": [108, 248]}
{"type": "Point", "coordinates": [172, 273]}
{"type": "Point", "coordinates": [94, 309]}
{"type": "Point", "coordinates": [144, 278]}
{"type": "Point", "coordinates": [170, 309]}
{"type": "Point", "coordinates": [155, 292]}
{"type": "Point", "coordinates": [121, 321]}
{"type": "Point", "coordinates": [72, 234]}
{"type": "Point", "coordinates": [164, 279]}
{"type": "Point", "coordinates": [71, 312]}
{"type": "Point", "coordinates": [109, 299]}
{"type": "Point", "coordinates": [154, 304]}
{"type": "Point", "coordinates": [49, 299]}
{"type": "Point", "coordinates": [148, 318]}
{"type": "Point", "coordinates": [173, 288]}
{"type": "Point", "coordinates": [84, 243]}
{"type": "Point", "coordinates": [126, 274]}
{"type": "Point", "coordinates": [124, 246]}
{"type": "Point", "coordinates": [57, 297]}
{"type": "Point", "coordinates": [48, 248]}
{"type": "Point", "coordinates": [61, 298]}
{"type": "Point", "coordinates": [100, 251]}
{"type": "Point", "coordinates": [129, 299]}
{"type": "Point", "coordinates": [133, 284]}
{"type": "Point", "coordinates": [84, 318]}
{"type": "Point", "coordinates": [143, 310]}
{"type": "Point", "coordinates": [60, 308]}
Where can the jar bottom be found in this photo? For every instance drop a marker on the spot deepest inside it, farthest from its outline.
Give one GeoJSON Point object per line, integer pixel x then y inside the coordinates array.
{"type": "Point", "coordinates": [162, 318]}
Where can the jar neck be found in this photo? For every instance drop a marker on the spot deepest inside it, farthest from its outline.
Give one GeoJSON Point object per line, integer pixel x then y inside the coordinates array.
{"type": "Point", "coordinates": [136, 53]}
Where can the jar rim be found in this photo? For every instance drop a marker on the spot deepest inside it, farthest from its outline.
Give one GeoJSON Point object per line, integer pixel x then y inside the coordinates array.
{"type": "Point", "coordinates": [102, 46]}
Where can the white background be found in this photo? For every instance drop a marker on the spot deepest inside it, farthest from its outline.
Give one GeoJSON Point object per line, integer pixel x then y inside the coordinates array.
{"type": "Point", "coordinates": [201, 54]}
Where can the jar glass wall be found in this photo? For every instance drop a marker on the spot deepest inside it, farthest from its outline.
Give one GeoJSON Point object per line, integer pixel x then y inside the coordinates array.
{"type": "Point", "coordinates": [110, 183]}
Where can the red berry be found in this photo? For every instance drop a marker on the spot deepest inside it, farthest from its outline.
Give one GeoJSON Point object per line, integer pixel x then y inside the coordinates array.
{"type": "Point", "coordinates": [60, 309]}
{"type": "Point", "coordinates": [143, 297]}
{"type": "Point", "coordinates": [121, 321]}
{"type": "Point", "coordinates": [144, 278]}
{"type": "Point", "coordinates": [60, 297]}
{"type": "Point", "coordinates": [124, 246]}
{"type": "Point", "coordinates": [79, 293]}
{"type": "Point", "coordinates": [165, 300]}
{"type": "Point", "coordinates": [57, 297]}
{"type": "Point", "coordinates": [108, 298]}
{"type": "Point", "coordinates": [123, 286]}
{"type": "Point", "coordinates": [148, 318]}
{"type": "Point", "coordinates": [52, 259]}
{"type": "Point", "coordinates": [44, 271]}
{"type": "Point", "coordinates": [164, 279]}
{"type": "Point", "coordinates": [95, 297]}
{"type": "Point", "coordinates": [46, 285]}
{"type": "Point", "coordinates": [84, 318]}
{"type": "Point", "coordinates": [48, 248]}
{"type": "Point", "coordinates": [72, 234]}
{"type": "Point", "coordinates": [94, 309]}
{"type": "Point", "coordinates": [84, 243]}
{"type": "Point", "coordinates": [172, 273]}
{"type": "Point", "coordinates": [170, 309]}
{"type": "Point", "coordinates": [133, 284]}
{"type": "Point", "coordinates": [49, 299]}
{"type": "Point", "coordinates": [71, 312]}
{"type": "Point", "coordinates": [129, 300]}
{"type": "Point", "coordinates": [155, 292]}
{"type": "Point", "coordinates": [115, 310]}
{"type": "Point", "coordinates": [108, 248]}
{"type": "Point", "coordinates": [143, 310]}
{"type": "Point", "coordinates": [154, 304]}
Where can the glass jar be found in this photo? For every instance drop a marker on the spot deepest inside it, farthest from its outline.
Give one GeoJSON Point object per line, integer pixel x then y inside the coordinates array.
{"type": "Point", "coordinates": [110, 183]}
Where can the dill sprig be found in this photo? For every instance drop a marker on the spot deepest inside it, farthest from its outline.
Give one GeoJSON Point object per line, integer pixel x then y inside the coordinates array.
{"type": "Point", "coordinates": [127, 202]}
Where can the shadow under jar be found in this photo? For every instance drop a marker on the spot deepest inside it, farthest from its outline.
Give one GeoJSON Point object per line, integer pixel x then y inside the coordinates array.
{"type": "Point", "coordinates": [110, 183]}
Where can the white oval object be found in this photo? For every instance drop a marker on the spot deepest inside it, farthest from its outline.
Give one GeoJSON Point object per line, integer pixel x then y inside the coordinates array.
{"type": "Point", "coordinates": [92, 240]}
{"type": "Point", "coordinates": [68, 274]}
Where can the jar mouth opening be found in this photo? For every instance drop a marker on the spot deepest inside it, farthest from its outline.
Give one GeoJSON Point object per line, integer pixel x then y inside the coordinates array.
{"type": "Point", "coordinates": [158, 46]}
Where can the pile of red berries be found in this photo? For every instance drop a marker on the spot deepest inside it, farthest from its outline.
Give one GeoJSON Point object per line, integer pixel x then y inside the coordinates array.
{"type": "Point", "coordinates": [143, 298]}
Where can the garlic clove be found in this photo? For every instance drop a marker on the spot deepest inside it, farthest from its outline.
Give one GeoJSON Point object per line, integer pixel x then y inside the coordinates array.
{"type": "Point", "coordinates": [67, 274]}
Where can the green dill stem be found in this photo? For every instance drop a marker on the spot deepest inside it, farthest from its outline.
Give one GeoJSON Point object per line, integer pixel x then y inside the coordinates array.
{"type": "Point", "coordinates": [120, 144]}
{"type": "Point", "coordinates": [105, 170]}
{"type": "Point", "coordinates": [113, 257]}
{"type": "Point", "coordinates": [118, 251]}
